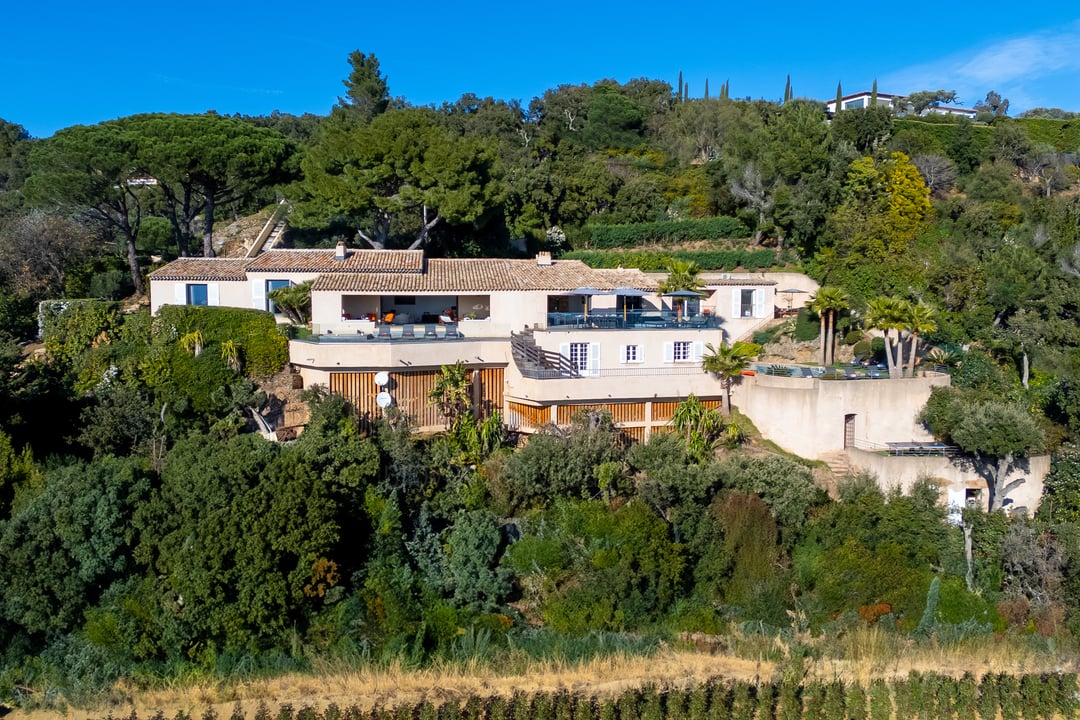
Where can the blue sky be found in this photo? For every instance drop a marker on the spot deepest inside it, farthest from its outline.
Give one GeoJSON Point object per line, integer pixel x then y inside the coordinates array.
{"type": "Point", "coordinates": [66, 63]}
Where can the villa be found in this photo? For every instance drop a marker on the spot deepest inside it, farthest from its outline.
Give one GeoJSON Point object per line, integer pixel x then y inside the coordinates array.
{"type": "Point", "coordinates": [546, 338]}
{"type": "Point", "coordinates": [543, 337]}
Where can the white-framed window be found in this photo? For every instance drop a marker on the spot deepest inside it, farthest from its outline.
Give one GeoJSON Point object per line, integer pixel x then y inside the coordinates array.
{"type": "Point", "coordinates": [579, 355]}
{"type": "Point", "coordinates": [197, 294]}
{"type": "Point", "coordinates": [683, 351]}
{"type": "Point", "coordinates": [584, 357]}
{"type": "Point", "coordinates": [631, 354]}
{"type": "Point", "coordinates": [274, 285]}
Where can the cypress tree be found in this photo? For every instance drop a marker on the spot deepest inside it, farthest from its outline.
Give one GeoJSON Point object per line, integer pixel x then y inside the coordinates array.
{"type": "Point", "coordinates": [987, 702]}
{"type": "Point", "coordinates": [814, 700]}
{"type": "Point", "coordinates": [520, 706]}
{"type": "Point", "coordinates": [698, 704]}
{"type": "Point", "coordinates": [880, 700]}
{"type": "Point", "coordinates": [834, 699]}
{"type": "Point", "coordinates": [789, 704]}
{"type": "Point", "coordinates": [706, 88]}
{"type": "Point", "coordinates": [680, 95]}
{"type": "Point", "coordinates": [498, 708]}
{"type": "Point", "coordinates": [1009, 696]}
{"type": "Point", "coordinates": [564, 706]}
{"type": "Point", "coordinates": [585, 709]}
{"type": "Point", "coordinates": [743, 701]}
{"type": "Point", "coordinates": [839, 97]}
{"type": "Point", "coordinates": [675, 703]}
{"type": "Point", "coordinates": [873, 94]}
{"type": "Point", "coordinates": [766, 701]}
{"type": "Point", "coordinates": [720, 701]}
{"type": "Point", "coordinates": [855, 703]}
{"type": "Point", "coordinates": [787, 89]}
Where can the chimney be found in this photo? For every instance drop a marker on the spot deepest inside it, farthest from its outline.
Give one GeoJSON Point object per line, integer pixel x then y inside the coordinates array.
{"type": "Point", "coordinates": [543, 259]}
{"type": "Point", "coordinates": [339, 251]}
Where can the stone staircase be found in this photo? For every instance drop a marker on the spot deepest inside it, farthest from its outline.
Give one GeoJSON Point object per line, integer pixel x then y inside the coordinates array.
{"type": "Point", "coordinates": [839, 463]}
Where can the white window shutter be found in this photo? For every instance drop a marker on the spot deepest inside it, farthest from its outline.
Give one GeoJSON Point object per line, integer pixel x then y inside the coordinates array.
{"type": "Point", "coordinates": [213, 297]}
{"type": "Point", "coordinates": [698, 350]}
{"type": "Point", "coordinates": [622, 354]}
{"type": "Point", "coordinates": [640, 354]}
{"type": "Point", "coordinates": [564, 350]}
{"type": "Point", "coordinates": [669, 352]}
{"type": "Point", "coordinates": [594, 359]}
{"type": "Point", "coordinates": [736, 301]}
{"type": "Point", "coordinates": [759, 303]}
{"type": "Point", "coordinates": [258, 294]}
{"type": "Point", "coordinates": [180, 294]}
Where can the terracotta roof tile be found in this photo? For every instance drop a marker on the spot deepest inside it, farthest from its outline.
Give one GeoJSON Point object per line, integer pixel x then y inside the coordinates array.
{"type": "Point", "coordinates": [486, 275]}
{"type": "Point", "coordinates": [202, 269]}
{"type": "Point", "coordinates": [384, 261]}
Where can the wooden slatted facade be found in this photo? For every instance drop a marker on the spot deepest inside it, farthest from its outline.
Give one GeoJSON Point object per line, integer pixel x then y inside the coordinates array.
{"type": "Point", "coordinates": [410, 392]}
{"type": "Point", "coordinates": [529, 417]}
{"type": "Point", "coordinates": [620, 412]}
{"type": "Point", "coordinates": [663, 411]}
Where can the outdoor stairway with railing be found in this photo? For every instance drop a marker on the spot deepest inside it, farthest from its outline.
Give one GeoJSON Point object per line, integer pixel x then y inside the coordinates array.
{"type": "Point", "coordinates": [535, 362]}
{"type": "Point", "coordinates": [272, 232]}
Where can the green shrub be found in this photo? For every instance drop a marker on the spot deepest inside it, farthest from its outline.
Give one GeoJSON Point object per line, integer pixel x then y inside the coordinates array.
{"type": "Point", "coordinates": [853, 337]}
{"type": "Point", "coordinates": [666, 232]}
{"type": "Point", "coordinates": [264, 349]}
{"type": "Point", "coordinates": [654, 261]}
{"type": "Point", "coordinates": [807, 326]}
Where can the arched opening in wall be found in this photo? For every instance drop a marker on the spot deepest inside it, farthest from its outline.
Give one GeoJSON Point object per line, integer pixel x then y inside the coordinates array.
{"type": "Point", "coordinates": [849, 431]}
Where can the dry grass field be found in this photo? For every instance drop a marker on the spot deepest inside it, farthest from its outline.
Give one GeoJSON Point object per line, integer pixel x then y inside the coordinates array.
{"type": "Point", "coordinates": [861, 657]}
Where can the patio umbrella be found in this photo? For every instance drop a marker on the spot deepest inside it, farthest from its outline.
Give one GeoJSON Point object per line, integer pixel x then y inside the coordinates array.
{"type": "Point", "coordinates": [683, 295]}
{"type": "Point", "coordinates": [587, 292]}
{"type": "Point", "coordinates": [626, 292]}
{"type": "Point", "coordinates": [789, 292]}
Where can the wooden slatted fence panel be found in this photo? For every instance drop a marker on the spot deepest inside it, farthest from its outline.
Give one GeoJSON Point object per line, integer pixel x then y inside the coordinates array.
{"type": "Point", "coordinates": [521, 416]}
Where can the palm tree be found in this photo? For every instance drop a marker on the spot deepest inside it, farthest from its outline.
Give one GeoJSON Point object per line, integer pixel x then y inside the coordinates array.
{"type": "Point", "coordinates": [888, 314]}
{"type": "Point", "coordinates": [192, 342]}
{"type": "Point", "coordinates": [827, 302]}
{"type": "Point", "coordinates": [921, 319]}
{"type": "Point", "coordinates": [451, 392]}
{"type": "Point", "coordinates": [726, 362]}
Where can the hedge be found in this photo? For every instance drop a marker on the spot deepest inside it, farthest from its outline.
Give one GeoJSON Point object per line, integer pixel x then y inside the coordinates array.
{"type": "Point", "coordinates": [668, 232]}
{"type": "Point", "coordinates": [263, 348]}
{"type": "Point", "coordinates": [656, 261]}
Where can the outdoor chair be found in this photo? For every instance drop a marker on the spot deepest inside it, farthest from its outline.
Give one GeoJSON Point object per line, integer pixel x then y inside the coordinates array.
{"type": "Point", "coordinates": [384, 331]}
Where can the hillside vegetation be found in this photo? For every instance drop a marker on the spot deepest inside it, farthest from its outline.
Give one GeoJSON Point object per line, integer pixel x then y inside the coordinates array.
{"type": "Point", "coordinates": [149, 537]}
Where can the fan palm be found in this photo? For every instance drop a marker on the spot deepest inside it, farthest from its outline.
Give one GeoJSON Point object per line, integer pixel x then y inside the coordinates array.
{"type": "Point", "coordinates": [726, 362]}
{"type": "Point", "coordinates": [920, 320]}
{"type": "Point", "coordinates": [828, 302]}
{"type": "Point", "coordinates": [888, 314]}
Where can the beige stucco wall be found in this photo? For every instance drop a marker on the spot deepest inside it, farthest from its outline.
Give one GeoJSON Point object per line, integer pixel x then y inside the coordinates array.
{"type": "Point", "coordinates": [954, 476]}
{"type": "Point", "coordinates": [256, 285]}
{"type": "Point", "coordinates": [231, 293]}
{"type": "Point", "coordinates": [382, 355]}
{"type": "Point", "coordinates": [806, 416]}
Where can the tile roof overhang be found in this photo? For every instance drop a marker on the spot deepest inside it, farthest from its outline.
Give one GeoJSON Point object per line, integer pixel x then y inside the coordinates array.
{"type": "Point", "coordinates": [485, 275]}
{"type": "Point", "coordinates": [222, 269]}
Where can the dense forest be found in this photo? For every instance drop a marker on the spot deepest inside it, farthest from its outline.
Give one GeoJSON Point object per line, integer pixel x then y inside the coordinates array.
{"type": "Point", "coordinates": [146, 532]}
